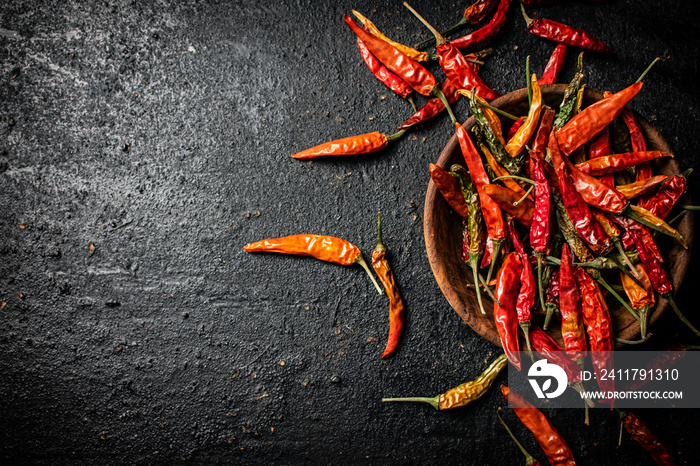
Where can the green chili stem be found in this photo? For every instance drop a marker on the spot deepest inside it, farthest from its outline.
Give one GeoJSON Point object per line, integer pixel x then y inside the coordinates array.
{"type": "Point", "coordinates": [527, 193]}
{"type": "Point", "coordinates": [648, 69]}
{"type": "Point", "coordinates": [498, 110]}
{"type": "Point", "coordinates": [540, 285]}
{"type": "Point", "coordinates": [516, 177]}
{"type": "Point", "coordinates": [438, 37]}
{"type": "Point", "coordinates": [529, 459]}
{"type": "Point", "coordinates": [360, 260]}
{"type": "Point", "coordinates": [672, 302]}
{"type": "Point", "coordinates": [528, 20]}
{"type": "Point", "coordinates": [488, 290]}
{"type": "Point", "coordinates": [412, 101]}
{"type": "Point", "coordinates": [634, 342]}
{"type": "Point", "coordinates": [525, 326]}
{"type": "Point", "coordinates": [421, 399]}
{"type": "Point", "coordinates": [473, 258]}
{"type": "Point", "coordinates": [438, 93]}
{"type": "Point", "coordinates": [548, 317]}
{"type": "Point", "coordinates": [690, 207]}
{"type": "Point", "coordinates": [494, 257]}
{"type": "Point", "coordinates": [605, 285]}
{"type": "Point", "coordinates": [380, 246]}
{"type": "Point", "coordinates": [618, 245]}
{"type": "Point", "coordinates": [395, 136]}
{"type": "Point", "coordinates": [447, 31]}
{"type": "Point", "coordinates": [471, 60]}
{"type": "Point", "coordinates": [578, 386]}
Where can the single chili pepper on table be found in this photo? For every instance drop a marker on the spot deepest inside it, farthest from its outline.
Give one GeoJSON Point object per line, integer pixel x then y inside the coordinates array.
{"type": "Point", "coordinates": [505, 314]}
{"type": "Point", "coordinates": [529, 459]}
{"type": "Point", "coordinates": [455, 66]}
{"type": "Point", "coordinates": [539, 231]}
{"type": "Point", "coordinates": [477, 11]}
{"type": "Point", "coordinates": [599, 329]}
{"type": "Point", "coordinates": [450, 189]}
{"type": "Point", "coordinates": [381, 267]}
{"type": "Point", "coordinates": [353, 145]}
{"type": "Point", "coordinates": [517, 143]}
{"type": "Point", "coordinates": [463, 394]}
{"type": "Point", "coordinates": [552, 443]}
{"type": "Point", "coordinates": [487, 32]}
{"type": "Point", "coordinates": [385, 76]}
{"type": "Point", "coordinates": [475, 225]}
{"type": "Point", "coordinates": [511, 202]}
{"type": "Point", "coordinates": [558, 32]}
{"type": "Point", "coordinates": [554, 65]}
{"type": "Point", "coordinates": [591, 120]}
{"type": "Point", "coordinates": [412, 72]}
{"type": "Point", "coordinates": [641, 434]}
{"type": "Point", "coordinates": [572, 330]}
{"type": "Point", "coordinates": [417, 55]}
{"type": "Point", "coordinates": [526, 295]}
{"type": "Point", "coordinates": [493, 217]}
{"type": "Point", "coordinates": [322, 247]}
{"type": "Point", "coordinates": [641, 297]}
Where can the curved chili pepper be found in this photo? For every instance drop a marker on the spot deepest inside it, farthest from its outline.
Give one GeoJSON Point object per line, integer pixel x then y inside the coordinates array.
{"type": "Point", "coordinates": [511, 202]}
{"type": "Point", "coordinates": [591, 120]}
{"type": "Point", "coordinates": [455, 66]}
{"type": "Point", "coordinates": [433, 106]}
{"type": "Point", "coordinates": [517, 143]}
{"type": "Point", "coordinates": [576, 208]}
{"type": "Point", "coordinates": [353, 145]}
{"type": "Point", "coordinates": [616, 162]}
{"type": "Point", "coordinates": [380, 264]}
{"type": "Point", "coordinates": [641, 297]}
{"type": "Point", "coordinates": [463, 394]}
{"type": "Point", "coordinates": [599, 329]}
{"type": "Point", "coordinates": [539, 143]}
{"type": "Point", "coordinates": [641, 434]}
{"type": "Point", "coordinates": [505, 315]}
{"type": "Point", "coordinates": [381, 72]}
{"type": "Point", "coordinates": [409, 51]}
{"type": "Point", "coordinates": [526, 295]}
{"type": "Point", "coordinates": [502, 173]}
{"type": "Point", "coordinates": [663, 201]}
{"type": "Point", "coordinates": [487, 32]}
{"type": "Point", "coordinates": [553, 445]}
{"type": "Point", "coordinates": [639, 230]}
{"type": "Point", "coordinates": [558, 32]}
{"type": "Point", "coordinates": [450, 189]}
{"type": "Point", "coordinates": [650, 220]}
{"type": "Point", "coordinates": [554, 65]}
{"type": "Point", "coordinates": [595, 192]}
{"type": "Point", "coordinates": [642, 187]}
{"type": "Point", "coordinates": [529, 459]}
{"type": "Point", "coordinates": [322, 247]}
{"type": "Point", "coordinates": [570, 309]}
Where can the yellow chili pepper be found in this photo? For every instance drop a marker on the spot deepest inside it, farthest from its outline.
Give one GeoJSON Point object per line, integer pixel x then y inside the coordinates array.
{"type": "Point", "coordinates": [411, 52]}
{"type": "Point", "coordinates": [465, 393]}
{"type": "Point", "coordinates": [490, 115]}
{"type": "Point", "coordinates": [525, 132]}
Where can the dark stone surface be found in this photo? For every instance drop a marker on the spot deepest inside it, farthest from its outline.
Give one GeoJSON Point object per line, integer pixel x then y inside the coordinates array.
{"type": "Point", "coordinates": [142, 144]}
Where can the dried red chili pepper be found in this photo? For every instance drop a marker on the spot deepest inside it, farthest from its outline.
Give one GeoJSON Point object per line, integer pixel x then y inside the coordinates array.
{"type": "Point", "coordinates": [554, 65]}
{"type": "Point", "coordinates": [614, 234]}
{"type": "Point", "coordinates": [663, 201]}
{"type": "Point", "coordinates": [639, 230]}
{"type": "Point", "coordinates": [591, 120]}
{"type": "Point", "coordinates": [417, 55]}
{"type": "Point", "coordinates": [487, 32]}
{"type": "Point", "coordinates": [380, 264]}
{"type": "Point", "coordinates": [455, 65]}
{"type": "Point", "coordinates": [641, 297]}
{"type": "Point", "coordinates": [643, 171]}
{"type": "Point", "coordinates": [433, 106]}
{"type": "Point", "coordinates": [539, 231]}
{"type": "Point", "coordinates": [529, 459]}
{"type": "Point", "coordinates": [616, 162]}
{"type": "Point", "coordinates": [505, 314]}
{"type": "Point", "coordinates": [502, 173]}
{"type": "Point", "coordinates": [511, 202]}
{"type": "Point", "coordinates": [478, 11]}
{"type": "Point", "coordinates": [570, 309]}
{"type": "Point", "coordinates": [595, 192]}
{"type": "Point", "coordinates": [641, 434]}
{"type": "Point", "coordinates": [515, 127]}
{"type": "Point", "coordinates": [322, 247]}
{"type": "Point", "coordinates": [539, 143]}
{"type": "Point", "coordinates": [385, 76]}
{"type": "Point", "coordinates": [526, 295]}
{"type": "Point", "coordinates": [463, 394]}
{"type": "Point", "coordinates": [576, 208]}
{"type": "Point", "coordinates": [353, 145]}
{"type": "Point", "coordinates": [555, 448]}
{"type": "Point", "coordinates": [558, 32]}
{"type": "Point", "coordinates": [599, 146]}
{"type": "Point", "coordinates": [517, 143]}
{"type": "Point", "coordinates": [450, 189]}
{"type": "Point", "coordinates": [599, 329]}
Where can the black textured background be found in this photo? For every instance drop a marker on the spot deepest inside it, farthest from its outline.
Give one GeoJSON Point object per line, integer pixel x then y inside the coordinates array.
{"type": "Point", "coordinates": [159, 133]}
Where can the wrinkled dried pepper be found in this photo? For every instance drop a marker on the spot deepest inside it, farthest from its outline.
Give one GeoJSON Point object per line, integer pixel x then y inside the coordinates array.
{"type": "Point", "coordinates": [487, 32]}
{"type": "Point", "coordinates": [641, 434]}
{"type": "Point", "coordinates": [505, 315]}
{"type": "Point", "coordinates": [353, 145]}
{"type": "Point", "coordinates": [528, 288]}
{"type": "Point", "coordinates": [417, 55]}
{"type": "Point", "coordinates": [450, 189]}
{"type": "Point", "coordinates": [642, 187]}
{"type": "Point", "coordinates": [517, 143]}
{"type": "Point", "coordinates": [385, 76]}
{"type": "Point", "coordinates": [572, 329]}
{"type": "Point", "coordinates": [511, 202]}
{"type": "Point", "coordinates": [554, 65]}
{"type": "Point", "coordinates": [663, 201]}
{"type": "Point", "coordinates": [616, 162]}
{"type": "Point", "coordinates": [539, 231]}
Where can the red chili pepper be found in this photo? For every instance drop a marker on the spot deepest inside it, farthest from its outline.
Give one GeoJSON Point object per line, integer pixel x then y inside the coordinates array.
{"type": "Point", "coordinates": [433, 106]}
{"type": "Point", "coordinates": [539, 144]}
{"type": "Point", "coordinates": [643, 171]}
{"type": "Point", "coordinates": [555, 448]}
{"type": "Point", "coordinates": [380, 264]}
{"type": "Point", "coordinates": [539, 231]}
{"type": "Point", "coordinates": [552, 352]}
{"type": "Point", "coordinates": [591, 120]}
{"type": "Point", "coordinates": [599, 146]}
{"type": "Point", "coordinates": [553, 289]}
{"type": "Point", "coordinates": [642, 187]}
{"type": "Point", "coordinates": [570, 309]}
{"type": "Point", "coordinates": [599, 329]}
{"type": "Point", "coordinates": [616, 162]}
{"type": "Point", "coordinates": [663, 201]}
{"type": "Point", "coordinates": [641, 434]}
{"type": "Point", "coordinates": [450, 189]}
{"type": "Point", "coordinates": [641, 232]}
{"type": "Point", "coordinates": [479, 10]}
{"type": "Point", "coordinates": [558, 32]}
{"type": "Point", "coordinates": [500, 172]}
{"type": "Point", "coordinates": [488, 253]}
{"type": "Point", "coordinates": [353, 145]}
{"type": "Point", "coordinates": [325, 248]}
{"type": "Point", "coordinates": [554, 65]}
{"type": "Point", "coordinates": [412, 72]}
{"type": "Point", "coordinates": [507, 198]}
{"type": "Point", "coordinates": [595, 192]}
{"type": "Point", "coordinates": [515, 127]}
{"type": "Point", "coordinates": [505, 314]}
{"type": "Point", "coordinates": [488, 31]}
{"type": "Point", "coordinates": [381, 72]}
{"type": "Point", "coordinates": [526, 295]}
{"type": "Point", "coordinates": [577, 209]}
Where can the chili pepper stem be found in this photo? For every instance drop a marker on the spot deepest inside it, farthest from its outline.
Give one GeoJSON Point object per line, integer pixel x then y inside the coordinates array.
{"type": "Point", "coordinates": [360, 260]}
{"type": "Point", "coordinates": [473, 262]}
{"type": "Point", "coordinates": [690, 207]}
{"type": "Point", "coordinates": [488, 290]}
{"type": "Point", "coordinates": [647, 70]}
{"type": "Point", "coordinates": [540, 285]}
{"type": "Point", "coordinates": [412, 101]}
{"type": "Point", "coordinates": [436, 92]}
{"type": "Point", "coordinates": [618, 245]}
{"type": "Point", "coordinates": [494, 257]}
{"type": "Point", "coordinates": [578, 386]}
{"type": "Point", "coordinates": [468, 94]}
{"type": "Point", "coordinates": [629, 212]}
{"type": "Point", "coordinates": [548, 317]}
{"type": "Point", "coordinates": [421, 399]}
{"type": "Point", "coordinates": [525, 326]}
{"type": "Point", "coordinates": [672, 302]}
{"type": "Point", "coordinates": [527, 193]}
{"type": "Point", "coordinates": [395, 136]}
{"type": "Point", "coordinates": [438, 37]}
{"type": "Point", "coordinates": [528, 20]}
{"type": "Point", "coordinates": [605, 285]}
{"type": "Point", "coordinates": [527, 80]}
{"type": "Point", "coordinates": [529, 459]}
{"type": "Point", "coordinates": [515, 177]}
{"type": "Point", "coordinates": [634, 342]}
{"type": "Point", "coordinates": [447, 31]}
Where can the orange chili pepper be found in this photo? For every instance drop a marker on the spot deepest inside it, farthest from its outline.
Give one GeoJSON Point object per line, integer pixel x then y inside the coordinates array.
{"type": "Point", "coordinates": [380, 264]}
{"type": "Point", "coordinates": [450, 189]}
{"type": "Point", "coordinates": [641, 297]}
{"type": "Point", "coordinates": [417, 55]}
{"type": "Point", "coordinates": [353, 145]}
{"type": "Point", "coordinates": [502, 173]}
{"type": "Point", "coordinates": [595, 192]}
{"type": "Point", "coordinates": [511, 202]}
{"type": "Point", "coordinates": [639, 188]}
{"type": "Point", "coordinates": [591, 120]}
{"type": "Point", "coordinates": [322, 247]}
{"type": "Point", "coordinates": [525, 132]}
{"type": "Point", "coordinates": [616, 162]}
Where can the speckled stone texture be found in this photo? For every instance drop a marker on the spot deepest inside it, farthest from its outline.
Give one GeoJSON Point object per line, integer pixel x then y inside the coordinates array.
{"type": "Point", "coordinates": [143, 143]}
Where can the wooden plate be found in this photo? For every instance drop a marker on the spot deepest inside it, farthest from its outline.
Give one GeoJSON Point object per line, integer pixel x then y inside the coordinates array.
{"type": "Point", "coordinates": [443, 238]}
